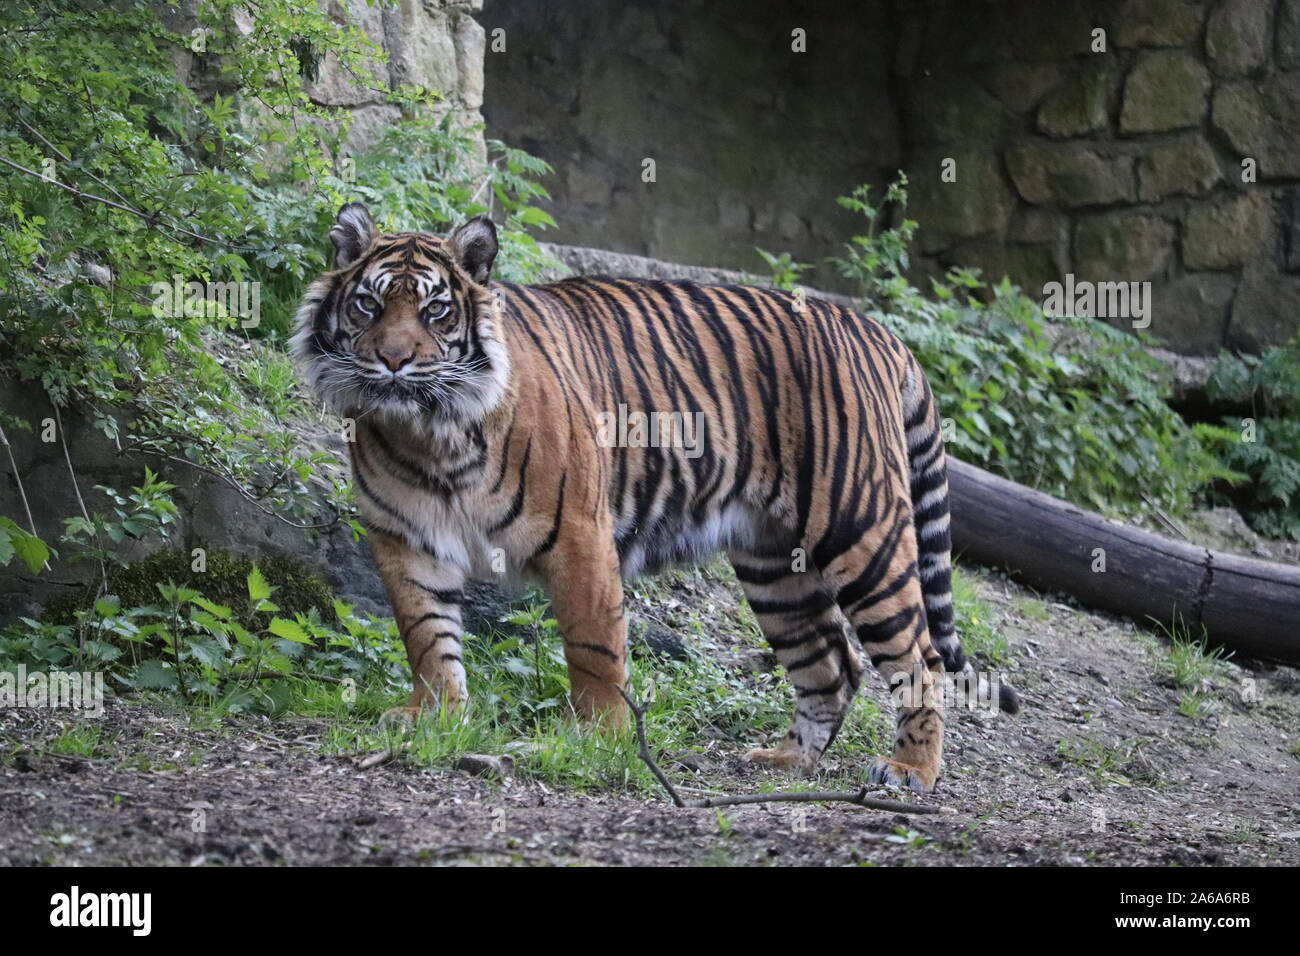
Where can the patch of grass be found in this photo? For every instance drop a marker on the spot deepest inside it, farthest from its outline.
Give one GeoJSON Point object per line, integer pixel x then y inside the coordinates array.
{"type": "Point", "coordinates": [1033, 609]}
{"type": "Point", "coordinates": [82, 741]}
{"type": "Point", "coordinates": [519, 701]}
{"type": "Point", "coordinates": [975, 622]}
{"type": "Point", "coordinates": [1107, 763]}
{"type": "Point", "coordinates": [1191, 663]}
{"type": "Point", "coordinates": [518, 692]}
{"type": "Point", "coordinates": [1196, 705]}
{"type": "Point", "coordinates": [1246, 833]}
{"type": "Point", "coordinates": [908, 837]}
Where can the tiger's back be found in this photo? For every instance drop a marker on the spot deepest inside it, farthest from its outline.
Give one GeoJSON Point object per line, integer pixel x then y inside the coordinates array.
{"type": "Point", "coordinates": [719, 406]}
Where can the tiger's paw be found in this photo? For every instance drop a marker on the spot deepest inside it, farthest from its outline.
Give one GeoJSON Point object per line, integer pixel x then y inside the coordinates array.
{"type": "Point", "coordinates": [895, 774]}
{"type": "Point", "coordinates": [784, 756]}
{"type": "Point", "coordinates": [401, 716]}
{"type": "Point", "coordinates": [411, 714]}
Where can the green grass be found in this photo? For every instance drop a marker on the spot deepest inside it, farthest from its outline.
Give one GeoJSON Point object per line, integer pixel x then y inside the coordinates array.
{"type": "Point", "coordinates": [715, 705]}
{"type": "Point", "coordinates": [1192, 665]}
{"type": "Point", "coordinates": [1033, 609]}
{"type": "Point", "coordinates": [518, 694]}
{"type": "Point", "coordinates": [1192, 662]}
{"type": "Point", "coordinates": [519, 697]}
{"type": "Point", "coordinates": [1106, 763]}
{"type": "Point", "coordinates": [1196, 705]}
{"type": "Point", "coordinates": [976, 622]}
{"type": "Point", "coordinates": [82, 741]}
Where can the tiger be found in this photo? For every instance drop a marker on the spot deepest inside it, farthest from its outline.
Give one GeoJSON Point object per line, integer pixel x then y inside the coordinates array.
{"type": "Point", "coordinates": [481, 448]}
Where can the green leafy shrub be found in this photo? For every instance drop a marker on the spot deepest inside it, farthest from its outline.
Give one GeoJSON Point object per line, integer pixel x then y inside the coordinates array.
{"type": "Point", "coordinates": [876, 260]}
{"type": "Point", "coordinates": [1074, 407]}
{"type": "Point", "coordinates": [1263, 440]}
{"type": "Point", "coordinates": [222, 580]}
{"type": "Point", "coordinates": [422, 174]}
{"type": "Point", "coordinates": [784, 271]}
{"type": "Point", "coordinates": [119, 184]}
{"type": "Point", "coordinates": [245, 655]}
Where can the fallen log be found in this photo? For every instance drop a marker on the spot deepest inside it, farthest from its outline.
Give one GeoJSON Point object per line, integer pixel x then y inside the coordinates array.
{"type": "Point", "coordinates": [1248, 606]}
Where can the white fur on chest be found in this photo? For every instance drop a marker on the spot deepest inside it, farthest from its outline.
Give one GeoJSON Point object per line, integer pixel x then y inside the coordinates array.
{"type": "Point", "coordinates": [454, 526]}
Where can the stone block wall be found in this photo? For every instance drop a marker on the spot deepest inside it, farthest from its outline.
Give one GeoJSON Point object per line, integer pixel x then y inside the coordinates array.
{"type": "Point", "coordinates": [1116, 165]}
{"type": "Point", "coordinates": [751, 140]}
{"type": "Point", "coordinates": [1107, 140]}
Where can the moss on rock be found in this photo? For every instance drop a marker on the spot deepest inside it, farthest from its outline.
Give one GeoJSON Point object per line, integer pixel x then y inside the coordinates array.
{"type": "Point", "coordinates": [224, 580]}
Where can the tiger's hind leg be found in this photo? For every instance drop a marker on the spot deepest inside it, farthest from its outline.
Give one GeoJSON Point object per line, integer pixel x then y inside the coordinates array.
{"type": "Point", "coordinates": [879, 589]}
{"type": "Point", "coordinates": [802, 623]}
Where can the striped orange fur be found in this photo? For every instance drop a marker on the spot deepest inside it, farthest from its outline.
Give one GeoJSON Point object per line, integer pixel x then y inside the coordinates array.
{"type": "Point", "coordinates": [491, 437]}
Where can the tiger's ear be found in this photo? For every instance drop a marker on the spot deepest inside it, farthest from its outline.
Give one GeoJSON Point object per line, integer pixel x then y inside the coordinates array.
{"type": "Point", "coordinates": [475, 247]}
{"type": "Point", "coordinates": [352, 233]}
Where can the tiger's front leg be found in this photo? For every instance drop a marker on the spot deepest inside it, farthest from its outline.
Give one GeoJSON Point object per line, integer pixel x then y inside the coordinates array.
{"type": "Point", "coordinates": [587, 591]}
{"type": "Point", "coordinates": [426, 595]}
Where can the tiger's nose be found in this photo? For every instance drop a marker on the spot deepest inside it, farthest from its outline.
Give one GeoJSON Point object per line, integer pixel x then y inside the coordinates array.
{"type": "Point", "coordinates": [396, 358]}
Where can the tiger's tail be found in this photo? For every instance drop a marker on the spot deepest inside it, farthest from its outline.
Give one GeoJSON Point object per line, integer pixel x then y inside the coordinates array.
{"type": "Point", "coordinates": [928, 471]}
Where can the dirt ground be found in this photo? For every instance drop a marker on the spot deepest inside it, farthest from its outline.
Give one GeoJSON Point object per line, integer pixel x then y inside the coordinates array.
{"type": "Point", "coordinates": [1099, 768]}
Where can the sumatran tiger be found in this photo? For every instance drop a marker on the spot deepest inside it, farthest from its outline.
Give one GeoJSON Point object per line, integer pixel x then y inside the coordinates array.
{"type": "Point", "coordinates": [491, 435]}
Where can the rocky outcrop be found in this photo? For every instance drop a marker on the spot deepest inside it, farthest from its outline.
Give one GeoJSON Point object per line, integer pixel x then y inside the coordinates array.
{"type": "Point", "coordinates": [435, 45]}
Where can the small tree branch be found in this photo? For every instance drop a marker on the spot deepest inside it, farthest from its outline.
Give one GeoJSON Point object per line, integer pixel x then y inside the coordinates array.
{"type": "Point", "coordinates": [85, 513]}
{"type": "Point", "coordinates": [638, 712]}
{"type": "Point", "coordinates": [859, 798]}
{"type": "Point", "coordinates": [18, 480]}
{"type": "Point", "coordinates": [152, 220]}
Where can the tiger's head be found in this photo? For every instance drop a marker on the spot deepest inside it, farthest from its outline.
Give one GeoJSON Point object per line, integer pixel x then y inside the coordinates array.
{"type": "Point", "coordinates": [404, 327]}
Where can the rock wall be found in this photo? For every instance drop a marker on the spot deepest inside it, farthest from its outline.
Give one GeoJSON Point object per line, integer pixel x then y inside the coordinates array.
{"type": "Point", "coordinates": [751, 140]}
{"type": "Point", "coordinates": [1118, 160]}
{"type": "Point", "coordinates": [212, 514]}
{"type": "Point", "coordinates": [434, 44]}
{"type": "Point", "coordinates": [1120, 164]}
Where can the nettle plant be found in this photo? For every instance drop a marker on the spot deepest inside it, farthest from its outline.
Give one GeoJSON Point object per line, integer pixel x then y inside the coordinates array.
{"type": "Point", "coordinates": [234, 659]}
{"type": "Point", "coordinates": [117, 179]}
{"type": "Point", "coordinates": [1262, 439]}
{"type": "Point", "coordinates": [1072, 407]}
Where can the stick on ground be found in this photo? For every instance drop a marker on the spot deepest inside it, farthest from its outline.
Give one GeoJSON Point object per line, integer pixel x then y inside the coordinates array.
{"type": "Point", "coordinates": [859, 798]}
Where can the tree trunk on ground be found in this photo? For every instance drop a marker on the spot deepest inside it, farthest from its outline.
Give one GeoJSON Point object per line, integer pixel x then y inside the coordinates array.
{"type": "Point", "coordinates": [1245, 605]}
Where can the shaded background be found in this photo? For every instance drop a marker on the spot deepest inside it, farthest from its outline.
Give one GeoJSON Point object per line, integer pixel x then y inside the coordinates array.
{"type": "Point", "coordinates": [1115, 166]}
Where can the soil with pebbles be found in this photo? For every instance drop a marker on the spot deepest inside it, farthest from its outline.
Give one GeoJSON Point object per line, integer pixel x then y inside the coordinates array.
{"type": "Point", "coordinates": [1099, 768]}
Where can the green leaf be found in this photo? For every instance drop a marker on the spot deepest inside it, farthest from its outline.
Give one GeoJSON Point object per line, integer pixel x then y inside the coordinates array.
{"type": "Point", "coordinates": [289, 630]}
{"type": "Point", "coordinates": [33, 551]}
{"type": "Point", "coordinates": [219, 611]}
{"type": "Point", "coordinates": [258, 588]}
{"type": "Point", "coordinates": [7, 547]}
{"type": "Point", "coordinates": [14, 540]}
{"type": "Point", "coordinates": [154, 674]}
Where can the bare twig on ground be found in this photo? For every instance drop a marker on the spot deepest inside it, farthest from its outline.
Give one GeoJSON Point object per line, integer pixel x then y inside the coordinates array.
{"type": "Point", "coordinates": [366, 761]}
{"type": "Point", "coordinates": [374, 759]}
{"type": "Point", "coordinates": [859, 798]}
